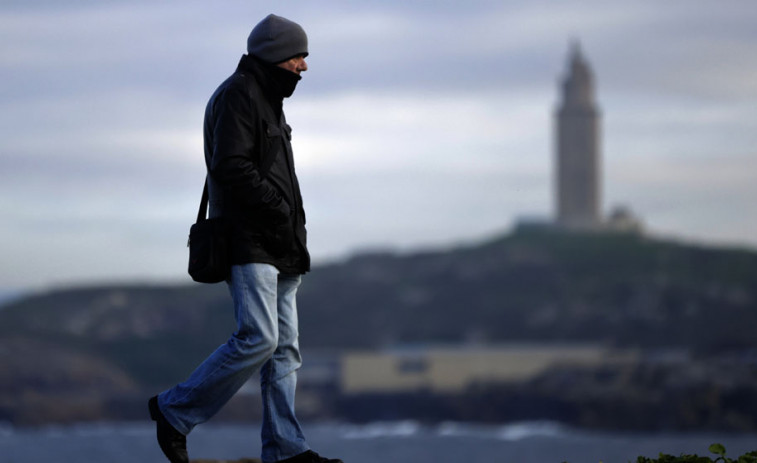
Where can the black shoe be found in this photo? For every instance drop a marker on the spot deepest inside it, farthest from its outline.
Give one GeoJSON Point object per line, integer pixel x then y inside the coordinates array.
{"type": "Point", "coordinates": [310, 457]}
{"type": "Point", "coordinates": [172, 442]}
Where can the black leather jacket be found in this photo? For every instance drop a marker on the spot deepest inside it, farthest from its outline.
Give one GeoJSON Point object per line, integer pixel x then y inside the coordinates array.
{"type": "Point", "coordinates": [252, 180]}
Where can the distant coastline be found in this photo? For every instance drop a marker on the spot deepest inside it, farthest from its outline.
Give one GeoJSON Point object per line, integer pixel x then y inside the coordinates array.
{"type": "Point", "coordinates": [689, 310]}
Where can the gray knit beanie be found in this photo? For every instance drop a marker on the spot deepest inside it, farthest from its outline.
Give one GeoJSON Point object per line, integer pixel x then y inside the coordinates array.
{"type": "Point", "coordinates": [276, 39]}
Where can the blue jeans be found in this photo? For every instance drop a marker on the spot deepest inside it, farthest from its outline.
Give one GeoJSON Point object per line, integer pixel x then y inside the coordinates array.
{"type": "Point", "coordinates": [266, 339]}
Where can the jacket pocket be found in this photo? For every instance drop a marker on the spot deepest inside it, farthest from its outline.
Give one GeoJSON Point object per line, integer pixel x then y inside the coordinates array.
{"type": "Point", "coordinates": [274, 147]}
{"type": "Point", "coordinates": [271, 130]}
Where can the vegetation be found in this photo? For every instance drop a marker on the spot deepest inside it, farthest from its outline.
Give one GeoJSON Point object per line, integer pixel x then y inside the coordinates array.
{"type": "Point", "coordinates": [717, 449]}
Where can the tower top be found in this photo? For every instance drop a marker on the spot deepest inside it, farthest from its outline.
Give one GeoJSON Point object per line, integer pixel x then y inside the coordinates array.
{"type": "Point", "coordinates": [578, 84]}
{"type": "Point", "coordinates": [575, 49]}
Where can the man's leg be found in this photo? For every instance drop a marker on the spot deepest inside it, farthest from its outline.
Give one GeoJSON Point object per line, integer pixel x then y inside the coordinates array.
{"type": "Point", "coordinates": [281, 433]}
{"type": "Point", "coordinates": [253, 289]}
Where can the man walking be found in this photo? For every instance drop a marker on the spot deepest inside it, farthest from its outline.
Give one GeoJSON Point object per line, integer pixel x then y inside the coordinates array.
{"type": "Point", "coordinates": [253, 185]}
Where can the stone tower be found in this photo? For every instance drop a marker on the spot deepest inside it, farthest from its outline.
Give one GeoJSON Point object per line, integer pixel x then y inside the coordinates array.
{"type": "Point", "coordinates": [578, 195]}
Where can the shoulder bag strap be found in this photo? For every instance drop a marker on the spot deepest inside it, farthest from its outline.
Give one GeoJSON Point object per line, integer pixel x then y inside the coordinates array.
{"type": "Point", "coordinates": [203, 211]}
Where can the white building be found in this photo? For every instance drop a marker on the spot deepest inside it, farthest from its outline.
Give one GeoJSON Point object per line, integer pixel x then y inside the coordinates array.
{"type": "Point", "coordinates": [453, 369]}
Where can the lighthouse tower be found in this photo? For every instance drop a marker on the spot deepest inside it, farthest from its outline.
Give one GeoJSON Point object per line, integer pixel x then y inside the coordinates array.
{"type": "Point", "coordinates": [578, 159]}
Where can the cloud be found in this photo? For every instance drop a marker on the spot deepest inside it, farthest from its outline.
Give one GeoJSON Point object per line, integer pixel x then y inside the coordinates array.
{"type": "Point", "coordinates": [418, 123]}
{"type": "Point", "coordinates": [380, 131]}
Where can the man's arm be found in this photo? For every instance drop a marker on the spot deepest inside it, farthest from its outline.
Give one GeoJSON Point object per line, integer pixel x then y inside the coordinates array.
{"type": "Point", "coordinates": [231, 164]}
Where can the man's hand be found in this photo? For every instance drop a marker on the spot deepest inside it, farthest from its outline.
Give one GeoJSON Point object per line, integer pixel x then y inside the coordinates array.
{"type": "Point", "coordinates": [280, 239]}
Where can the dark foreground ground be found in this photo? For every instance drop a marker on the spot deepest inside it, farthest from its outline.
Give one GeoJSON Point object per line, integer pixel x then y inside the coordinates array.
{"type": "Point", "coordinates": [243, 460]}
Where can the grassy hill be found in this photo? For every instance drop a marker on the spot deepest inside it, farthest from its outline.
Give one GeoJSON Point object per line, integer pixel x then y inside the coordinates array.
{"type": "Point", "coordinates": [619, 289]}
{"type": "Point", "coordinates": [616, 289]}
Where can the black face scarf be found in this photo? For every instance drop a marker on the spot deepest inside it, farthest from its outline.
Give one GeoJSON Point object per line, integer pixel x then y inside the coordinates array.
{"type": "Point", "coordinates": [278, 82]}
{"type": "Point", "coordinates": [283, 81]}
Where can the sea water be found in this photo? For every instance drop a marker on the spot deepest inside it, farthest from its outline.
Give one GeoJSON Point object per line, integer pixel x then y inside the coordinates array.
{"type": "Point", "coordinates": [396, 442]}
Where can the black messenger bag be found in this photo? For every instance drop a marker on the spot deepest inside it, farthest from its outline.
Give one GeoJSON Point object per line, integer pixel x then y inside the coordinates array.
{"type": "Point", "coordinates": [208, 246]}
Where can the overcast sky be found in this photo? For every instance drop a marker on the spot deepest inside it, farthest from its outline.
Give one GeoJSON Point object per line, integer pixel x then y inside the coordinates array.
{"type": "Point", "coordinates": [418, 124]}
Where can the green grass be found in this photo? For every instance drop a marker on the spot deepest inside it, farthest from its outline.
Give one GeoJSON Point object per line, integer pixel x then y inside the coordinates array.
{"type": "Point", "coordinates": [718, 450]}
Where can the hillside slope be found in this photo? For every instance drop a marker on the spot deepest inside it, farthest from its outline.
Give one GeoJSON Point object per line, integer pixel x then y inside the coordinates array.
{"type": "Point", "coordinates": [620, 290]}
